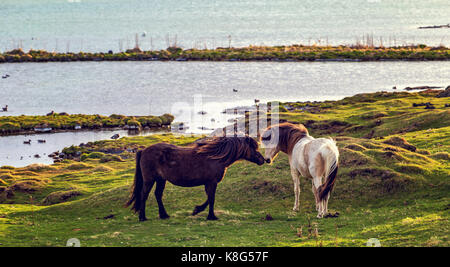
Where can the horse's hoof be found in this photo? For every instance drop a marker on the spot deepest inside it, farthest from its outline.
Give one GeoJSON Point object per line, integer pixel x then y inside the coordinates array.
{"type": "Point", "coordinates": [164, 216]}
{"type": "Point", "coordinates": [196, 211]}
{"type": "Point", "coordinates": [331, 215]}
{"type": "Point", "coordinates": [212, 218]}
{"type": "Point", "coordinates": [142, 219]}
{"type": "Point", "coordinates": [295, 209]}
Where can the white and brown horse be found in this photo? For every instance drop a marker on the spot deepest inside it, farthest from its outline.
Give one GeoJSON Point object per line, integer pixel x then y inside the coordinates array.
{"type": "Point", "coordinates": [308, 157]}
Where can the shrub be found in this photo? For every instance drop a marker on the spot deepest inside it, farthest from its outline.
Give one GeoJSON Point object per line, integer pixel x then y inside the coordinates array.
{"type": "Point", "coordinates": [166, 119]}
{"type": "Point", "coordinates": [154, 122]}
{"type": "Point", "coordinates": [133, 122]}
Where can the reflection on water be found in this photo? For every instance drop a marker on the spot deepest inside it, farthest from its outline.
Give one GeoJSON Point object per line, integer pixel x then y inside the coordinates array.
{"type": "Point", "coordinates": [15, 153]}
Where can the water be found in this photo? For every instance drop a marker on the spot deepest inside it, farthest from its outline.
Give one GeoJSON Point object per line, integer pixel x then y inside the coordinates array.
{"type": "Point", "coordinates": [15, 153]}
{"type": "Point", "coordinates": [101, 25]}
{"type": "Point", "coordinates": [143, 88]}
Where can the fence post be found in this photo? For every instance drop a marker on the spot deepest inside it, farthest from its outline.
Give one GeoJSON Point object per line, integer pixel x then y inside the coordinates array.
{"type": "Point", "coordinates": [247, 122]}
{"type": "Point", "coordinates": [257, 121]}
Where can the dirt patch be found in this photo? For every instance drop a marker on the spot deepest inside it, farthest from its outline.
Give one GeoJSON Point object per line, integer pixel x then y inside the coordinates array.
{"type": "Point", "coordinates": [400, 142]}
{"type": "Point", "coordinates": [60, 196]}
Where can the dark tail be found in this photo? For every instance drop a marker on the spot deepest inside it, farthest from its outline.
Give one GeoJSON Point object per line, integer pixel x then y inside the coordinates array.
{"type": "Point", "coordinates": [137, 186]}
{"type": "Point", "coordinates": [328, 186]}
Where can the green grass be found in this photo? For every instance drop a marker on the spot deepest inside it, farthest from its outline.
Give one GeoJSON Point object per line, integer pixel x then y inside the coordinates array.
{"type": "Point", "coordinates": [382, 191]}
{"type": "Point", "coordinates": [256, 53]}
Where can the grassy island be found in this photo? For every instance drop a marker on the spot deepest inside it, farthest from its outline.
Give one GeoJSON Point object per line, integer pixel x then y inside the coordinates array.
{"type": "Point", "coordinates": [393, 185]}
{"type": "Point", "coordinates": [251, 53]}
{"type": "Point", "coordinates": [65, 122]}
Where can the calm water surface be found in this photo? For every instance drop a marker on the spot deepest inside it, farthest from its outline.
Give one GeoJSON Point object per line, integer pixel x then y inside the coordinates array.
{"type": "Point", "coordinates": [14, 152]}
{"type": "Point", "coordinates": [101, 25]}
{"type": "Point", "coordinates": [142, 88]}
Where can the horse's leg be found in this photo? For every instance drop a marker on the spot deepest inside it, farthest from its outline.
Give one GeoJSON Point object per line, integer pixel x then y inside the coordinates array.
{"type": "Point", "coordinates": [211, 192]}
{"type": "Point", "coordinates": [316, 196]}
{"type": "Point", "coordinates": [160, 185]}
{"type": "Point", "coordinates": [296, 178]}
{"type": "Point", "coordinates": [325, 201]}
{"type": "Point", "coordinates": [201, 207]}
{"type": "Point", "coordinates": [148, 184]}
{"type": "Point", "coordinates": [317, 181]}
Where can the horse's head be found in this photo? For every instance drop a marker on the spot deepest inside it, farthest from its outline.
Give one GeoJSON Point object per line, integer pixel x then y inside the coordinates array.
{"type": "Point", "coordinates": [269, 141]}
{"type": "Point", "coordinates": [231, 149]}
{"type": "Point", "coordinates": [281, 137]}
{"type": "Point", "coordinates": [251, 153]}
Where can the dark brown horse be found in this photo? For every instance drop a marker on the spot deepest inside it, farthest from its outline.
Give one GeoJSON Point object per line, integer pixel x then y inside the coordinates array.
{"type": "Point", "coordinates": [203, 163]}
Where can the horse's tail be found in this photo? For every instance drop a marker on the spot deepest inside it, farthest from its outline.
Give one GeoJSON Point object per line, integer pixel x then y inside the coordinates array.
{"type": "Point", "coordinates": [331, 156]}
{"type": "Point", "coordinates": [136, 192]}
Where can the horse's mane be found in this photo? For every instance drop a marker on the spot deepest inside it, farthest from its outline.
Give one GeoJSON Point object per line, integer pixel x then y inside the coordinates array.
{"type": "Point", "coordinates": [289, 135]}
{"type": "Point", "coordinates": [226, 149]}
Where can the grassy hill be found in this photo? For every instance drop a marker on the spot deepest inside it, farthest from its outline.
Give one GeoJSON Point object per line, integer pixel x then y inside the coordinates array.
{"type": "Point", "coordinates": [392, 185]}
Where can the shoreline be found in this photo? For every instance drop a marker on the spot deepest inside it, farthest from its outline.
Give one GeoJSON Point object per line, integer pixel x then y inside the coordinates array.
{"type": "Point", "coordinates": [293, 53]}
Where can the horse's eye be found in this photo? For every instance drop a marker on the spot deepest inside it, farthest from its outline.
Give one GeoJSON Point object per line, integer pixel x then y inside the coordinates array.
{"type": "Point", "coordinates": [266, 138]}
